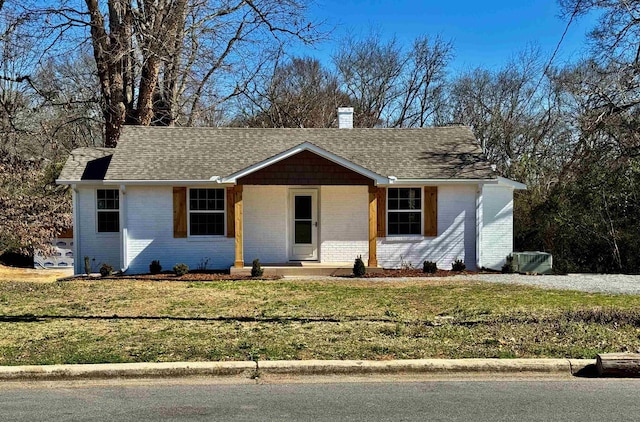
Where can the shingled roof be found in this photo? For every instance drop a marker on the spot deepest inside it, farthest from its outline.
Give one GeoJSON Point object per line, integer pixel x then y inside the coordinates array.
{"type": "Point", "coordinates": [177, 153]}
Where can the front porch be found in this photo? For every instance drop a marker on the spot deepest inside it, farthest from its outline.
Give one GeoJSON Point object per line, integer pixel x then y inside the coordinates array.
{"type": "Point", "coordinates": [304, 269]}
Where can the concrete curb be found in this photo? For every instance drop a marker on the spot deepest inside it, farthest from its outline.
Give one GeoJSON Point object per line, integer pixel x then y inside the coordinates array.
{"type": "Point", "coordinates": [126, 370]}
{"type": "Point", "coordinates": [352, 367]}
{"type": "Point", "coordinates": [251, 369]}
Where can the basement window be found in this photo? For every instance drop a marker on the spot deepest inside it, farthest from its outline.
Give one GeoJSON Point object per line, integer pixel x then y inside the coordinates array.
{"type": "Point", "coordinates": [108, 206]}
{"type": "Point", "coordinates": [404, 211]}
{"type": "Point", "coordinates": [206, 212]}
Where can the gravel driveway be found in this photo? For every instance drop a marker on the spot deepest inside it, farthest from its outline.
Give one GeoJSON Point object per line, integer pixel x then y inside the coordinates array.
{"type": "Point", "coordinates": [601, 283]}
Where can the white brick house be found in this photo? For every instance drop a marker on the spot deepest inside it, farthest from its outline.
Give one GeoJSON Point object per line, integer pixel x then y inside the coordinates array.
{"type": "Point", "coordinates": [230, 195]}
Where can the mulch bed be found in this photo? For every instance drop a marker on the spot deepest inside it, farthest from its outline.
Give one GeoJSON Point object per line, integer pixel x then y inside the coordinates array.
{"type": "Point", "coordinates": [414, 272]}
{"type": "Point", "coordinates": [223, 275]}
{"type": "Point", "coordinates": [195, 276]}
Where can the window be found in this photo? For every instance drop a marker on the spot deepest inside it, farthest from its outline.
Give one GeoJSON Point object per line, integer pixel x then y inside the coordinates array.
{"type": "Point", "coordinates": [108, 210]}
{"type": "Point", "coordinates": [206, 212]}
{"type": "Point", "coordinates": [404, 211]}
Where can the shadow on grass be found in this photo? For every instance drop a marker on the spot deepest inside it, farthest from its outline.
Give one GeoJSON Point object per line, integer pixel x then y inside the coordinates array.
{"type": "Point", "coordinates": [41, 318]}
{"type": "Point", "coordinates": [266, 319]}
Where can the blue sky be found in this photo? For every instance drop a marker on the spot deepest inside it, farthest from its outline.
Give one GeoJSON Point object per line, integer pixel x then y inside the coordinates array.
{"type": "Point", "coordinates": [484, 33]}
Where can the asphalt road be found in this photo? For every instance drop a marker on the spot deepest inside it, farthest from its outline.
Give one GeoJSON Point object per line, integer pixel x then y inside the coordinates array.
{"type": "Point", "coordinates": [566, 399]}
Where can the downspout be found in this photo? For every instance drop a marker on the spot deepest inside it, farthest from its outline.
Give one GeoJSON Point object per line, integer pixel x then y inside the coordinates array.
{"type": "Point", "coordinates": [479, 218]}
{"type": "Point", "coordinates": [124, 265]}
{"type": "Point", "coordinates": [77, 259]}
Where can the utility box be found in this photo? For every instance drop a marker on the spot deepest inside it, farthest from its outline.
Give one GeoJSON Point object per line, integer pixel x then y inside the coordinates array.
{"type": "Point", "coordinates": [533, 262]}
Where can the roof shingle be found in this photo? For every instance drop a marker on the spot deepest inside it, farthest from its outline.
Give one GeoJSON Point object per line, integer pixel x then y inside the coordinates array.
{"type": "Point", "coordinates": [177, 153]}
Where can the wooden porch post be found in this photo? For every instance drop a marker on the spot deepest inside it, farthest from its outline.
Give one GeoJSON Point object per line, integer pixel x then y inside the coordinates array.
{"type": "Point", "coordinates": [237, 204]}
{"type": "Point", "coordinates": [373, 227]}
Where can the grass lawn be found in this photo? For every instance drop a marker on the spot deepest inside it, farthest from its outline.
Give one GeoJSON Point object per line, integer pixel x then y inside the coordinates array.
{"type": "Point", "coordinates": [130, 321]}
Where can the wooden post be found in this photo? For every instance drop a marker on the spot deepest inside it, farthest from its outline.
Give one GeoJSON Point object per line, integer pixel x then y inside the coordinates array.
{"type": "Point", "coordinates": [237, 204]}
{"type": "Point", "coordinates": [373, 227]}
{"type": "Point", "coordinates": [618, 364]}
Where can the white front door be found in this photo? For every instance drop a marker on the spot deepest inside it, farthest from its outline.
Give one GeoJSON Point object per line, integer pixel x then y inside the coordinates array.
{"type": "Point", "coordinates": [304, 225]}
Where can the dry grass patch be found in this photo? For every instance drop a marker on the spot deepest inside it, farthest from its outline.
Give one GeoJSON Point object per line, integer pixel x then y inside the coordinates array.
{"type": "Point", "coordinates": [31, 274]}
{"type": "Point", "coordinates": [130, 320]}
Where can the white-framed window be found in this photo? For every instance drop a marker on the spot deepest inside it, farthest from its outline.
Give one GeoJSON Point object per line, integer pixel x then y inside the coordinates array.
{"type": "Point", "coordinates": [404, 211]}
{"type": "Point", "coordinates": [206, 212]}
{"type": "Point", "coordinates": [108, 207]}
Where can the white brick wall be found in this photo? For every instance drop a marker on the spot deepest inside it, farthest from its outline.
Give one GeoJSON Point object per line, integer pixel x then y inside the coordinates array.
{"type": "Point", "coordinates": [497, 226]}
{"type": "Point", "coordinates": [150, 234]}
{"type": "Point", "coordinates": [343, 233]}
{"type": "Point", "coordinates": [456, 234]}
{"type": "Point", "coordinates": [344, 223]}
{"type": "Point", "coordinates": [101, 248]}
{"type": "Point", "coordinates": [265, 223]}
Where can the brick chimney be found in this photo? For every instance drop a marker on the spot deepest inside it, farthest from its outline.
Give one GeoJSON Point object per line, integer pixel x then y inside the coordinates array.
{"type": "Point", "coordinates": [345, 117]}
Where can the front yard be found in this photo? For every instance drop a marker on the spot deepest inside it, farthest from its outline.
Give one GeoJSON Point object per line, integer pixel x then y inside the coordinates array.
{"type": "Point", "coordinates": [131, 321]}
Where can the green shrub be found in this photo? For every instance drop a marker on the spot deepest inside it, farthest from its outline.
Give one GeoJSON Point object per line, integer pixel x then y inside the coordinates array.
{"type": "Point", "coordinates": [358, 267]}
{"type": "Point", "coordinates": [106, 270]}
{"type": "Point", "coordinates": [458, 265]}
{"type": "Point", "coordinates": [429, 267]}
{"type": "Point", "coordinates": [180, 269]}
{"type": "Point", "coordinates": [256, 268]}
{"type": "Point", "coordinates": [155, 267]}
{"type": "Point", "coordinates": [508, 268]}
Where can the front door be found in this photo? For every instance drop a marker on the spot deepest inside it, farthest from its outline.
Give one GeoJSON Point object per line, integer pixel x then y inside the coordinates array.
{"type": "Point", "coordinates": [304, 225]}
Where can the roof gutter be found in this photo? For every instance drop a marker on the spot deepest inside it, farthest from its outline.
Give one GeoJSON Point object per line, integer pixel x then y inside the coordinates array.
{"type": "Point", "coordinates": [497, 181]}
{"type": "Point", "coordinates": [209, 182]}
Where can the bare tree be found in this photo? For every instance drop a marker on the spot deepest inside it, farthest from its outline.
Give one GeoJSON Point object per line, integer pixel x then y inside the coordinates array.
{"type": "Point", "coordinates": [298, 93]}
{"type": "Point", "coordinates": [515, 115]}
{"type": "Point", "coordinates": [369, 70]}
{"type": "Point", "coordinates": [391, 86]}
{"type": "Point", "coordinates": [166, 61]}
{"type": "Point", "coordinates": [421, 99]}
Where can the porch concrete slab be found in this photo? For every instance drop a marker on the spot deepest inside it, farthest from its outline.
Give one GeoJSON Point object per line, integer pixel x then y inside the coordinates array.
{"type": "Point", "coordinates": [305, 269]}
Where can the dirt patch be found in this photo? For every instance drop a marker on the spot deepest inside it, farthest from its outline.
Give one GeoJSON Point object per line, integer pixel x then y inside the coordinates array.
{"type": "Point", "coordinates": [31, 274]}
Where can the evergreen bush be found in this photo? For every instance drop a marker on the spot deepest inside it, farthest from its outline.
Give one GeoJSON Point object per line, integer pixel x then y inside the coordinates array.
{"type": "Point", "coordinates": [458, 265]}
{"type": "Point", "coordinates": [429, 267]}
{"type": "Point", "coordinates": [256, 268]}
{"type": "Point", "coordinates": [155, 267]}
{"type": "Point", "coordinates": [358, 267]}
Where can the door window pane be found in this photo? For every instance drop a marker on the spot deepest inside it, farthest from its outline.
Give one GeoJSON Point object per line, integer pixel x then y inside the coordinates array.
{"type": "Point", "coordinates": [303, 207]}
{"type": "Point", "coordinates": [303, 232]}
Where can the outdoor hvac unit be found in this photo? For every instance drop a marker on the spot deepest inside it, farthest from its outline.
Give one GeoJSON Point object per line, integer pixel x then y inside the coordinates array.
{"type": "Point", "coordinates": [532, 262]}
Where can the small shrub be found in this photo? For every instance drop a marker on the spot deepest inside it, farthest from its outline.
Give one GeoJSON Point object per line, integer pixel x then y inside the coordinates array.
{"type": "Point", "coordinates": [256, 268]}
{"type": "Point", "coordinates": [405, 265]}
{"type": "Point", "coordinates": [106, 270]}
{"type": "Point", "coordinates": [458, 265]}
{"type": "Point", "coordinates": [358, 267]}
{"type": "Point", "coordinates": [429, 267]}
{"type": "Point", "coordinates": [87, 265]}
{"type": "Point", "coordinates": [180, 269]}
{"type": "Point", "coordinates": [203, 264]}
{"type": "Point", "coordinates": [508, 268]}
{"type": "Point", "coordinates": [155, 267]}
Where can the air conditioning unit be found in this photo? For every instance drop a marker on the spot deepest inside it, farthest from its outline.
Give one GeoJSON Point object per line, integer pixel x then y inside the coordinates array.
{"type": "Point", "coordinates": [533, 262]}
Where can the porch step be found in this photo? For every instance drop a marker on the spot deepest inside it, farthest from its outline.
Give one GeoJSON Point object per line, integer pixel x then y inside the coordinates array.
{"type": "Point", "coordinates": [304, 269]}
